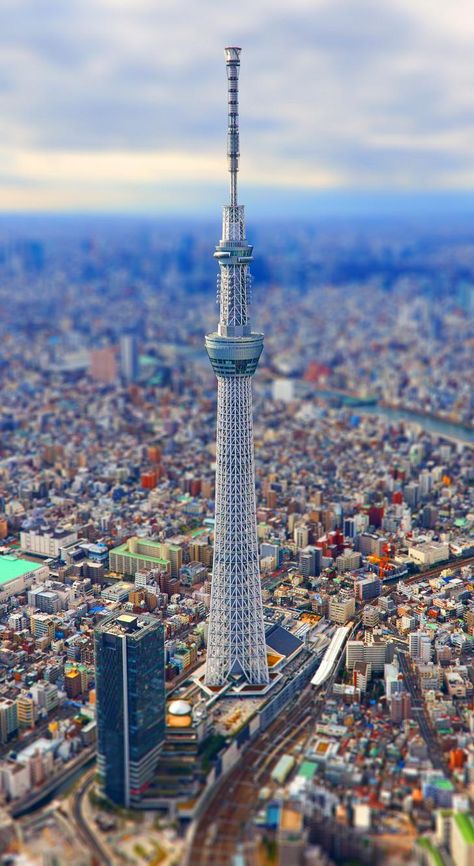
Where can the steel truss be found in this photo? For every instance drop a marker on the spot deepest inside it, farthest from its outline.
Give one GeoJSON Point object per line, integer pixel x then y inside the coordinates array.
{"type": "Point", "coordinates": [236, 641]}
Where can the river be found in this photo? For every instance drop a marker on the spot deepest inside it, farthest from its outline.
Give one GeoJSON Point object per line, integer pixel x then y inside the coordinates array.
{"type": "Point", "coordinates": [438, 426]}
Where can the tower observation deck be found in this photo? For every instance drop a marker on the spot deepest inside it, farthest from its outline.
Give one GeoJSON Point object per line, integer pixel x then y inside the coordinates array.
{"type": "Point", "coordinates": [236, 643]}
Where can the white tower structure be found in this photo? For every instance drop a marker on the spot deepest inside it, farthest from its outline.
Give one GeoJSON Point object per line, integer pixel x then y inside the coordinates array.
{"type": "Point", "coordinates": [236, 644]}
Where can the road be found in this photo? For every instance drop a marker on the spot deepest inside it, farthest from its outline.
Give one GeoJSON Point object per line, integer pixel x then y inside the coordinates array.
{"type": "Point", "coordinates": [226, 816]}
{"type": "Point", "coordinates": [92, 842]}
{"type": "Point", "coordinates": [47, 791]}
{"type": "Point", "coordinates": [420, 715]}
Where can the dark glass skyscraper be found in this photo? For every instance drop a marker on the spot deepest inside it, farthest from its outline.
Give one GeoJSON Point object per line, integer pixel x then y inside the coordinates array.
{"type": "Point", "coordinates": [130, 703]}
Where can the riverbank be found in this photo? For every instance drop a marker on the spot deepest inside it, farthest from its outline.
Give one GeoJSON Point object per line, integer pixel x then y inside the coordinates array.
{"type": "Point", "coordinates": [449, 430]}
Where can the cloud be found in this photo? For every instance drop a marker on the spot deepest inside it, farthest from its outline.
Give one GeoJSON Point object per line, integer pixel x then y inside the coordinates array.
{"type": "Point", "coordinates": [111, 98]}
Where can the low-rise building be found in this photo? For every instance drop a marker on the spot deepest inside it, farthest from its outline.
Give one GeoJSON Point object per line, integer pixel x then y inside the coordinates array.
{"type": "Point", "coordinates": [141, 554]}
{"type": "Point", "coordinates": [429, 553]}
{"type": "Point", "coordinates": [341, 609]}
{"type": "Point", "coordinates": [17, 574]}
{"type": "Point", "coordinates": [47, 541]}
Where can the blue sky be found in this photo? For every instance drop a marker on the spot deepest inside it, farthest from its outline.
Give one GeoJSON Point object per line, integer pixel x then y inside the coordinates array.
{"type": "Point", "coordinates": [119, 105]}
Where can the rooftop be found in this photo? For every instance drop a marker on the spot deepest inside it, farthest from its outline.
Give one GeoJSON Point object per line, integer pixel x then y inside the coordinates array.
{"type": "Point", "coordinates": [466, 825]}
{"type": "Point", "coordinates": [282, 641]}
{"type": "Point", "coordinates": [307, 769]}
{"type": "Point", "coordinates": [122, 550]}
{"type": "Point", "coordinates": [434, 854]}
{"type": "Point", "coordinates": [131, 626]}
{"type": "Point", "coordinates": [11, 567]}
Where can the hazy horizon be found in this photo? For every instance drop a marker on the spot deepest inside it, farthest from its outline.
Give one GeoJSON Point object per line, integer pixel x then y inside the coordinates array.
{"type": "Point", "coordinates": [278, 206]}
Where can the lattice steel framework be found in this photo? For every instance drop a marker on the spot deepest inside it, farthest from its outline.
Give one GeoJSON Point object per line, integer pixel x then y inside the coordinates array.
{"type": "Point", "coordinates": [236, 642]}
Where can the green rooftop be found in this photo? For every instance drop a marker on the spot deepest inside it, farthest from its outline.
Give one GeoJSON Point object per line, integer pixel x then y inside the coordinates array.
{"type": "Point", "coordinates": [307, 769]}
{"type": "Point", "coordinates": [147, 360]}
{"type": "Point", "coordinates": [466, 825]}
{"type": "Point", "coordinates": [443, 785]}
{"type": "Point", "coordinates": [122, 550]}
{"type": "Point", "coordinates": [11, 567]}
{"type": "Point", "coordinates": [434, 854]}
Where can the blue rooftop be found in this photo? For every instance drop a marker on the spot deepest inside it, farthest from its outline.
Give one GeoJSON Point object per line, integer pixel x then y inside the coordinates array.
{"type": "Point", "coordinates": [282, 641]}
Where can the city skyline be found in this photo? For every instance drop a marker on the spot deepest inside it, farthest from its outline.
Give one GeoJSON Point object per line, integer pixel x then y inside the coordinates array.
{"type": "Point", "coordinates": [116, 108]}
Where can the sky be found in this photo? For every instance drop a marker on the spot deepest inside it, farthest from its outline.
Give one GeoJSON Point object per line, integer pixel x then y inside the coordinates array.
{"type": "Point", "coordinates": [120, 105]}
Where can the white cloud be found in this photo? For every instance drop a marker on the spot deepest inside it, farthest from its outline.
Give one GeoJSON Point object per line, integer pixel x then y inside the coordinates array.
{"type": "Point", "coordinates": [99, 98]}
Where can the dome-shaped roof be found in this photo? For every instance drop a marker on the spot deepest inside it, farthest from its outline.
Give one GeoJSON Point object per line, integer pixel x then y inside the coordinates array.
{"type": "Point", "coordinates": [179, 708]}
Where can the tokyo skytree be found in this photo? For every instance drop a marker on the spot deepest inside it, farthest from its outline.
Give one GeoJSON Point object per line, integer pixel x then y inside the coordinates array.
{"type": "Point", "coordinates": [236, 642]}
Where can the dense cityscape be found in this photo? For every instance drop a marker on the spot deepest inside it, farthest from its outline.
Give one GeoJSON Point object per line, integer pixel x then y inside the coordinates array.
{"type": "Point", "coordinates": [236, 619]}
{"type": "Point", "coordinates": [363, 447]}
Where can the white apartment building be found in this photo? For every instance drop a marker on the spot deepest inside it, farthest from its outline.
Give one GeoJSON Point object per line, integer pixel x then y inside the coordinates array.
{"type": "Point", "coordinates": [47, 541]}
{"type": "Point", "coordinates": [373, 650]}
{"type": "Point", "coordinates": [419, 646]}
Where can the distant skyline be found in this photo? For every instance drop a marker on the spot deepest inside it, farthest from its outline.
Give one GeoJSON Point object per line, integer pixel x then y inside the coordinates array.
{"type": "Point", "coordinates": [117, 105]}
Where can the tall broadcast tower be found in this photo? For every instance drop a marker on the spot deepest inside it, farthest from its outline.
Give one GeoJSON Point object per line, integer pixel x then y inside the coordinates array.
{"type": "Point", "coordinates": [236, 644]}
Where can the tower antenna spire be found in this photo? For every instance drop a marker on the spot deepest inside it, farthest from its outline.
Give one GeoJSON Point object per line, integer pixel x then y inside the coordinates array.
{"type": "Point", "coordinates": [236, 645]}
{"type": "Point", "coordinates": [232, 56]}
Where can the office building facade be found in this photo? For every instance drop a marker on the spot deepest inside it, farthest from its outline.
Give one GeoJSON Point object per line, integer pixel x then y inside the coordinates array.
{"type": "Point", "coordinates": [130, 696]}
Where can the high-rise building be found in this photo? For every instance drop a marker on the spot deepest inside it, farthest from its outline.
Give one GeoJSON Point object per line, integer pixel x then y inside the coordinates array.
{"type": "Point", "coordinates": [370, 616]}
{"type": "Point", "coordinates": [400, 707]}
{"type": "Point", "coordinates": [103, 364]}
{"type": "Point", "coordinates": [8, 719]}
{"type": "Point", "coordinates": [348, 560]}
{"type": "Point", "coordinates": [272, 549]}
{"type": "Point", "coordinates": [130, 703]}
{"type": "Point", "coordinates": [129, 362]}
{"type": "Point", "coordinates": [411, 494]}
{"type": "Point", "coordinates": [419, 646]}
{"type": "Point", "coordinates": [42, 625]}
{"type": "Point", "coordinates": [301, 536]}
{"type": "Point", "coordinates": [73, 683]}
{"type": "Point", "coordinates": [236, 645]}
{"type": "Point", "coordinates": [349, 527]}
{"type": "Point", "coordinates": [429, 517]}
{"type": "Point", "coordinates": [373, 649]}
{"type": "Point", "coordinates": [309, 561]}
{"type": "Point", "coordinates": [26, 711]}
{"type": "Point", "coordinates": [425, 480]}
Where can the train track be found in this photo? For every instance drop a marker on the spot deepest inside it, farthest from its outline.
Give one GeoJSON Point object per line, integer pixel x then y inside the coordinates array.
{"type": "Point", "coordinates": [224, 822]}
